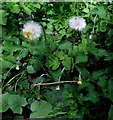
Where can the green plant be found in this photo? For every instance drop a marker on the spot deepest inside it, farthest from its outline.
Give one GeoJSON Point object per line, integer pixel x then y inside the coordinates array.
{"type": "Point", "coordinates": [60, 54]}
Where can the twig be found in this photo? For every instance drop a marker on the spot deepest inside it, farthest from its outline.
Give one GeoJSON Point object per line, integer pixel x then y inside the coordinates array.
{"type": "Point", "coordinates": [54, 83]}
{"type": "Point", "coordinates": [18, 80]}
{"type": "Point", "coordinates": [62, 113]}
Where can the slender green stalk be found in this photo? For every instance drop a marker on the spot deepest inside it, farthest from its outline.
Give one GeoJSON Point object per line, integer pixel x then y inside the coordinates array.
{"type": "Point", "coordinates": [80, 78]}
{"type": "Point", "coordinates": [72, 54]}
{"type": "Point", "coordinates": [74, 10]}
{"type": "Point", "coordinates": [99, 34]}
{"type": "Point", "coordinates": [7, 73]}
{"type": "Point", "coordinates": [3, 87]}
{"type": "Point", "coordinates": [77, 8]}
{"type": "Point", "coordinates": [46, 44]}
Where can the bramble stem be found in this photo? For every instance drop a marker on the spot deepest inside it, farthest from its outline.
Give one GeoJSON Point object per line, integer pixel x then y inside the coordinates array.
{"type": "Point", "coordinates": [62, 113]}
{"type": "Point", "coordinates": [54, 83]}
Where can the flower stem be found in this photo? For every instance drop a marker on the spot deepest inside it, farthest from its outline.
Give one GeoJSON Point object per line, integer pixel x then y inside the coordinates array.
{"type": "Point", "coordinates": [46, 44]}
{"type": "Point", "coordinates": [99, 34]}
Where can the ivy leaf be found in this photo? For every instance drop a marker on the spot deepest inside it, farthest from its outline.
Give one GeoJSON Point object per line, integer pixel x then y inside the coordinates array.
{"type": "Point", "coordinates": [15, 102]}
{"type": "Point", "coordinates": [39, 109]}
{"type": "Point", "coordinates": [4, 102]}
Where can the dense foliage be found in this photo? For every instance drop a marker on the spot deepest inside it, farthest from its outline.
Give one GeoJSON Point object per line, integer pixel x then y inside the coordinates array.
{"type": "Point", "coordinates": [60, 54]}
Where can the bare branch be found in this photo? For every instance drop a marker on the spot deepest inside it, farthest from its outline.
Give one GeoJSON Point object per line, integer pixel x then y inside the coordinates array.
{"type": "Point", "coordinates": [62, 113]}
{"type": "Point", "coordinates": [61, 82]}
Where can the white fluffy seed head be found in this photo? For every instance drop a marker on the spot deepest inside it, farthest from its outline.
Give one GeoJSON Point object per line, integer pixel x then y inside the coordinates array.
{"type": "Point", "coordinates": [77, 23]}
{"type": "Point", "coordinates": [31, 30]}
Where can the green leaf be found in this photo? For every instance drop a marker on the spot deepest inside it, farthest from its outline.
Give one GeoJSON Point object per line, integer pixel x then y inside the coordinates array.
{"type": "Point", "coordinates": [36, 5]}
{"type": "Point", "coordinates": [102, 26]}
{"type": "Point", "coordinates": [86, 10]}
{"type": "Point", "coordinates": [97, 74]}
{"type": "Point", "coordinates": [91, 96]}
{"type": "Point", "coordinates": [67, 62]}
{"type": "Point", "coordinates": [10, 58]}
{"type": "Point", "coordinates": [109, 57]}
{"type": "Point", "coordinates": [65, 45]}
{"type": "Point", "coordinates": [101, 12]}
{"type": "Point", "coordinates": [27, 10]}
{"type": "Point", "coordinates": [53, 62]}
{"type": "Point", "coordinates": [111, 113]}
{"type": "Point", "coordinates": [55, 74]}
{"type": "Point", "coordinates": [84, 72]}
{"type": "Point", "coordinates": [41, 108]}
{"type": "Point", "coordinates": [4, 105]}
{"type": "Point", "coordinates": [15, 103]}
{"type": "Point", "coordinates": [110, 90]}
{"type": "Point", "coordinates": [102, 52]}
{"type": "Point", "coordinates": [60, 55]}
{"type": "Point", "coordinates": [7, 64]}
{"type": "Point", "coordinates": [62, 32]}
{"type": "Point", "coordinates": [37, 62]}
{"type": "Point", "coordinates": [102, 82]}
{"type": "Point", "coordinates": [15, 8]}
{"type": "Point", "coordinates": [56, 64]}
{"type": "Point", "coordinates": [30, 69]}
{"type": "Point", "coordinates": [72, 114]}
{"type": "Point", "coordinates": [81, 58]}
{"type": "Point", "coordinates": [38, 48]}
{"type": "Point", "coordinates": [4, 14]}
{"type": "Point", "coordinates": [24, 54]}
